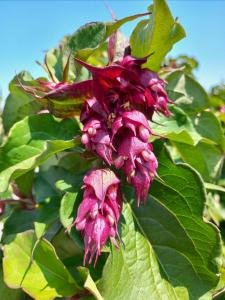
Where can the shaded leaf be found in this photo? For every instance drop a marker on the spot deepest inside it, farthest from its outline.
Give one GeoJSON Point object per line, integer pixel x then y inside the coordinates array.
{"type": "Point", "coordinates": [24, 183]}
{"type": "Point", "coordinates": [67, 100]}
{"type": "Point", "coordinates": [65, 247]}
{"type": "Point", "coordinates": [49, 183]}
{"type": "Point", "coordinates": [21, 220]}
{"type": "Point", "coordinates": [215, 209]}
{"type": "Point", "coordinates": [74, 161]}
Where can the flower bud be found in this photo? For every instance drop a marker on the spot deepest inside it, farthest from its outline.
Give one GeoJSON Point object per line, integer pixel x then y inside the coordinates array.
{"type": "Point", "coordinates": [91, 131]}
{"type": "Point", "coordinates": [96, 138]}
{"type": "Point", "coordinates": [144, 133]}
{"type": "Point", "coordinates": [118, 162]}
{"type": "Point", "coordinates": [111, 220]}
{"type": "Point", "coordinates": [85, 139]}
{"type": "Point", "coordinates": [146, 155]}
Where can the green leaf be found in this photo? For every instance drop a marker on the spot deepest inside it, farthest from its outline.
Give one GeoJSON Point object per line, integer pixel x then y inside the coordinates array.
{"type": "Point", "coordinates": [9, 294]}
{"type": "Point", "coordinates": [65, 247]}
{"type": "Point", "coordinates": [31, 142]}
{"type": "Point", "coordinates": [90, 39]}
{"type": "Point", "coordinates": [36, 268]}
{"type": "Point", "coordinates": [72, 161]}
{"type": "Point", "coordinates": [19, 104]}
{"type": "Point", "coordinates": [20, 220]}
{"type": "Point", "coordinates": [187, 63]}
{"type": "Point", "coordinates": [48, 198]}
{"type": "Point", "coordinates": [209, 127]}
{"type": "Point", "coordinates": [44, 187]}
{"type": "Point", "coordinates": [187, 92]}
{"type": "Point", "coordinates": [88, 36]}
{"type": "Point", "coordinates": [15, 266]}
{"type": "Point", "coordinates": [206, 159]}
{"type": "Point", "coordinates": [169, 252]}
{"type": "Point", "coordinates": [57, 59]}
{"type": "Point", "coordinates": [133, 271]}
{"type": "Point", "coordinates": [111, 27]}
{"type": "Point", "coordinates": [156, 35]}
{"type": "Point", "coordinates": [89, 284]}
{"type": "Point", "coordinates": [67, 209]}
{"type": "Point", "coordinates": [1, 131]}
{"type": "Point", "coordinates": [178, 127]}
{"type": "Point", "coordinates": [69, 205]}
{"type": "Point", "coordinates": [88, 42]}
{"type": "Point", "coordinates": [48, 183]}
{"type": "Point", "coordinates": [24, 183]}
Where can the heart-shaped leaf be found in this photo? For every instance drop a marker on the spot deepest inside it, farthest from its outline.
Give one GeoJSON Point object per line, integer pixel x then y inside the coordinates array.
{"type": "Point", "coordinates": [169, 252]}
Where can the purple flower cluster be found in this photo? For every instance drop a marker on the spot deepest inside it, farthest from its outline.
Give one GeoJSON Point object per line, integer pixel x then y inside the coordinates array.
{"type": "Point", "coordinates": [118, 103]}
{"type": "Point", "coordinates": [116, 128]}
{"type": "Point", "coordinates": [115, 119]}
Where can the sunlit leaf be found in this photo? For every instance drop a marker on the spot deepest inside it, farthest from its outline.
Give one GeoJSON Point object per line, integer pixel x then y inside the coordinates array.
{"type": "Point", "coordinates": [156, 35]}
{"type": "Point", "coordinates": [19, 104]}
{"type": "Point", "coordinates": [44, 276]}
{"type": "Point", "coordinates": [31, 142]}
{"type": "Point", "coordinates": [169, 252]}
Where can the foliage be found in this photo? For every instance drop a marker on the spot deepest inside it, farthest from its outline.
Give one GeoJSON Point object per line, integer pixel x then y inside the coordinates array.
{"type": "Point", "coordinates": [172, 246]}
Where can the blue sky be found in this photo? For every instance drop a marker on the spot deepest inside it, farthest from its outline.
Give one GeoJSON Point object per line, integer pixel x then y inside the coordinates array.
{"type": "Point", "coordinates": [29, 28]}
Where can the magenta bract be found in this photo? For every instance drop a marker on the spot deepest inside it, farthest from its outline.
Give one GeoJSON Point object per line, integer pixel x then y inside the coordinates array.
{"type": "Point", "coordinates": [96, 138]}
{"type": "Point", "coordinates": [133, 120]}
{"type": "Point", "coordinates": [99, 211]}
{"type": "Point", "coordinates": [138, 163]}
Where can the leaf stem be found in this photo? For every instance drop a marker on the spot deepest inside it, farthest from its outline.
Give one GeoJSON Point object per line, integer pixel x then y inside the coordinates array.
{"type": "Point", "coordinates": [218, 293]}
